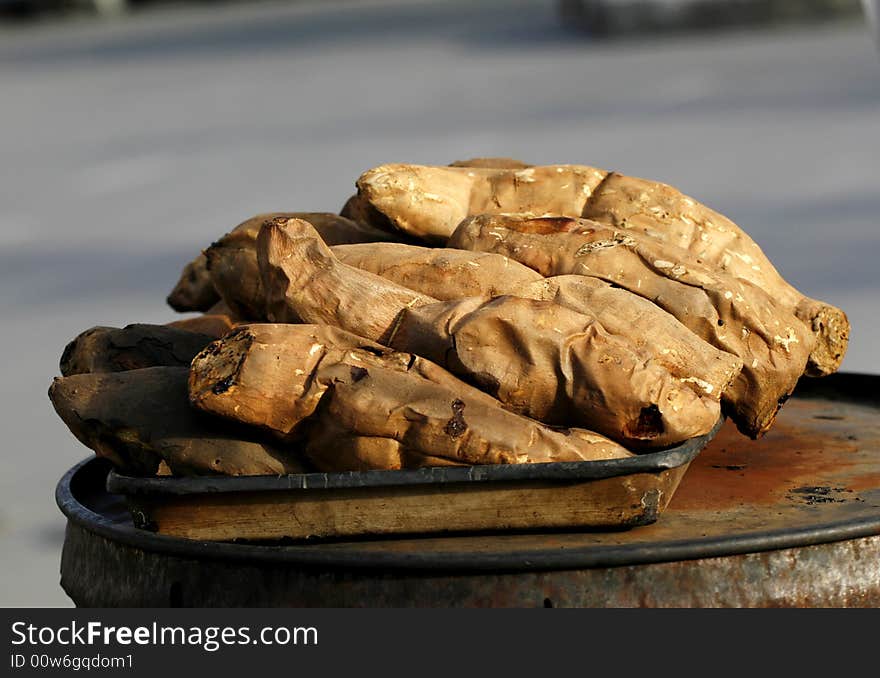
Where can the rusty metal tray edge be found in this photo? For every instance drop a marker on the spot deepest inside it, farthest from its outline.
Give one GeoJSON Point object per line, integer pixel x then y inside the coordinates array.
{"type": "Point", "coordinates": [649, 462]}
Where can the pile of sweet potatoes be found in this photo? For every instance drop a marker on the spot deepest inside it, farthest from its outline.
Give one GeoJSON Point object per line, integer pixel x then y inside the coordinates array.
{"type": "Point", "coordinates": [483, 312]}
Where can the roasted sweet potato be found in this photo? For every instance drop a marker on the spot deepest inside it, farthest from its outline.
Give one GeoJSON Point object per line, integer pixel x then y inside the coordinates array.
{"type": "Point", "coordinates": [321, 382]}
{"type": "Point", "coordinates": [215, 322]}
{"type": "Point", "coordinates": [430, 201]}
{"type": "Point", "coordinates": [664, 213]}
{"type": "Point", "coordinates": [228, 269]}
{"type": "Point", "coordinates": [540, 359]}
{"type": "Point", "coordinates": [730, 313]}
{"type": "Point", "coordinates": [449, 274]}
{"type": "Point", "coordinates": [232, 260]}
{"type": "Point", "coordinates": [358, 208]}
{"type": "Point", "coordinates": [194, 291]}
{"type": "Point", "coordinates": [140, 418]}
{"type": "Point", "coordinates": [304, 281]}
{"type": "Point", "coordinates": [441, 272]}
{"type": "Point", "coordinates": [111, 349]}
{"type": "Point", "coordinates": [215, 325]}
{"type": "Point", "coordinates": [651, 328]}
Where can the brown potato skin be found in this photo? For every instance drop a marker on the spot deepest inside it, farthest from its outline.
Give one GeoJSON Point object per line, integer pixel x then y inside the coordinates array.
{"type": "Point", "coordinates": [664, 213]}
{"type": "Point", "coordinates": [322, 384]}
{"type": "Point", "coordinates": [441, 272]}
{"type": "Point", "coordinates": [703, 367]}
{"type": "Point", "coordinates": [540, 359]}
{"type": "Point", "coordinates": [194, 291]}
{"type": "Point", "coordinates": [113, 349]}
{"type": "Point", "coordinates": [428, 202]}
{"type": "Point", "coordinates": [449, 274]}
{"type": "Point", "coordinates": [730, 313]}
{"type": "Point", "coordinates": [227, 270]}
{"type": "Point", "coordinates": [140, 419]}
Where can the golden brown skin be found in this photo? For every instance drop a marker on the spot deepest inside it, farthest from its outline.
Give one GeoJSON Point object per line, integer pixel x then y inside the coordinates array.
{"type": "Point", "coordinates": [664, 213]}
{"type": "Point", "coordinates": [228, 271]}
{"type": "Point", "coordinates": [232, 260]}
{"type": "Point", "coordinates": [540, 359]}
{"type": "Point", "coordinates": [304, 282]}
{"type": "Point", "coordinates": [357, 208]}
{"type": "Point", "coordinates": [559, 366]}
{"type": "Point", "coordinates": [439, 271]}
{"type": "Point", "coordinates": [697, 363]}
{"type": "Point", "coordinates": [324, 384]}
{"type": "Point", "coordinates": [729, 313]}
{"type": "Point", "coordinates": [449, 274]}
{"type": "Point", "coordinates": [429, 202]}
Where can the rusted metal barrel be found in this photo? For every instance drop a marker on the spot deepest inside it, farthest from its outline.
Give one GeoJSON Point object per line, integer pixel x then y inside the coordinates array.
{"type": "Point", "coordinates": [790, 520]}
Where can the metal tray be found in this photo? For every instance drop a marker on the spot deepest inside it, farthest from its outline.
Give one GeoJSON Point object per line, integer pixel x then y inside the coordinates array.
{"type": "Point", "coordinates": [618, 493]}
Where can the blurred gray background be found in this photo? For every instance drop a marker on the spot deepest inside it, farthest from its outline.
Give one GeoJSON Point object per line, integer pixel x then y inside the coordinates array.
{"type": "Point", "coordinates": [127, 145]}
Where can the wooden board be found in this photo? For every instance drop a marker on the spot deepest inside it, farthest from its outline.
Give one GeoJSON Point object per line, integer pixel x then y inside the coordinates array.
{"type": "Point", "coordinates": [622, 501]}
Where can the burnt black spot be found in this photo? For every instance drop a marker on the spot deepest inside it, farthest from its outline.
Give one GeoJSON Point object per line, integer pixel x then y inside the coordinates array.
{"type": "Point", "coordinates": [649, 424]}
{"type": "Point", "coordinates": [212, 349]}
{"type": "Point", "coordinates": [730, 467]}
{"type": "Point", "coordinates": [720, 322]}
{"type": "Point", "coordinates": [358, 373]}
{"type": "Point", "coordinates": [456, 426]}
{"type": "Point", "coordinates": [828, 417]}
{"type": "Point", "coordinates": [223, 385]}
